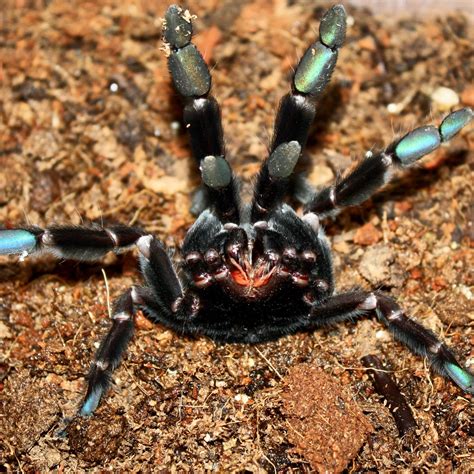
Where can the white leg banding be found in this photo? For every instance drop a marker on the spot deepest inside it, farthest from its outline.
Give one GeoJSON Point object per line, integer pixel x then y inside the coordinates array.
{"type": "Point", "coordinates": [113, 237]}
{"type": "Point", "coordinates": [369, 303]}
{"type": "Point", "coordinates": [312, 220]}
{"type": "Point", "coordinates": [136, 298]}
{"type": "Point", "coordinates": [122, 316]}
{"type": "Point", "coordinates": [101, 364]}
{"type": "Point", "coordinates": [394, 314]}
{"type": "Point", "coordinates": [143, 244]}
{"type": "Point", "coordinates": [47, 238]}
{"type": "Point", "coordinates": [434, 348]}
{"type": "Point", "coordinates": [386, 159]}
{"type": "Point", "coordinates": [332, 196]}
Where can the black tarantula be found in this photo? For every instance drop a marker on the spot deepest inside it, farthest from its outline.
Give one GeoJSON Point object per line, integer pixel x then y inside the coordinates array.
{"type": "Point", "coordinates": [256, 272]}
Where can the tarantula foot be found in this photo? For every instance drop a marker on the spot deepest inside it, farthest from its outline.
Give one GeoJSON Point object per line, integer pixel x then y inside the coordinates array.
{"type": "Point", "coordinates": [187, 66]}
{"type": "Point", "coordinates": [332, 29]}
{"type": "Point", "coordinates": [177, 27]}
{"type": "Point", "coordinates": [216, 172]}
{"type": "Point", "coordinates": [424, 140]}
{"type": "Point", "coordinates": [319, 60]}
{"type": "Point", "coordinates": [455, 122]}
{"type": "Point", "coordinates": [283, 160]}
{"type": "Point", "coordinates": [18, 241]}
{"type": "Point", "coordinates": [461, 377]}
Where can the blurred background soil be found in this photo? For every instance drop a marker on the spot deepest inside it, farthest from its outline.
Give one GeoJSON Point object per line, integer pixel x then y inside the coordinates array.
{"type": "Point", "coordinates": [90, 131]}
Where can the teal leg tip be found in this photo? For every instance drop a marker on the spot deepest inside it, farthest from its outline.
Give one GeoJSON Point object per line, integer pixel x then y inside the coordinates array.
{"type": "Point", "coordinates": [177, 28]}
{"type": "Point", "coordinates": [216, 172]}
{"type": "Point", "coordinates": [90, 404]}
{"type": "Point", "coordinates": [461, 377]}
{"type": "Point", "coordinates": [315, 69]}
{"type": "Point", "coordinates": [16, 241]}
{"type": "Point", "coordinates": [454, 123]}
{"type": "Point", "coordinates": [283, 160]}
{"type": "Point", "coordinates": [332, 29]}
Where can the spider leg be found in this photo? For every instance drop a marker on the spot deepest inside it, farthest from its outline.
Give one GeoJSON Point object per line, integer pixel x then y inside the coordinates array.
{"type": "Point", "coordinates": [375, 170]}
{"type": "Point", "coordinates": [70, 242]}
{"type": "Point", "coordinates": [159, 272]}
{"type": "Point", "coordinates": [297, 111]}
{"type": "Point", "coordinates": [420, 340]}
{"type": "Point", "coordinates": [202, 115]}
{"type": "Point", "coordinates": [310, 242]}
{"type": "Point", "coordinates": [110, 352]}
{"type": "Point", "coordinates": [162, 293]}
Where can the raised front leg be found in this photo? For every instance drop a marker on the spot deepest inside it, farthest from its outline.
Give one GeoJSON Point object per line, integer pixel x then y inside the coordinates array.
{"type": "Point", "coordinates": [297, 111]}
{"type": "Point", "coordinates": [421, 341]}
{"type": "Point", "coordinates": [375, 170]}
{"type": "Point", "coordinates": [202, 115]}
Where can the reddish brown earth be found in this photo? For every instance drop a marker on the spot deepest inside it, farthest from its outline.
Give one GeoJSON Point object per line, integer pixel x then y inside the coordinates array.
{"type": "Point", "coordinates": [72, 151]}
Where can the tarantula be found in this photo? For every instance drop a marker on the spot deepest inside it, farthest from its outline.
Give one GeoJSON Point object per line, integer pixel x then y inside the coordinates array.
{"type": "Point", "coordinates": [255, 272]}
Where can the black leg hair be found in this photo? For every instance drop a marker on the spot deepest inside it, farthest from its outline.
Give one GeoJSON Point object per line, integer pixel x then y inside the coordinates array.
{"type": "Point", "coordinates": [162, 295]}
{"type": "Point", "coordinates": [297, 111]}
{"type": "Point", "coordinates": [204, 230]}
{"type": "Point", "coordinates": [375, 170]}
{"type": "Point", "coordinates": [159, 272]}
{"type": "Point", "coordinates": [110, 352]}
{"type": "Point", "coordinates": [202, 115]}
{"type": "Point", "coordinates": [70, 242]}
{"type": "Point", "coordinates": [418, 339]}
{"type": "Point", "coordinates": [306, 240]}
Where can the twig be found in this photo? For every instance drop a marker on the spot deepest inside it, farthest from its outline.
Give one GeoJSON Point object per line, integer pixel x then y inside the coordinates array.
{"type": "Point", "coordinates": [385, 386]}
{"type": "Point", "coordinates": [269, 363]}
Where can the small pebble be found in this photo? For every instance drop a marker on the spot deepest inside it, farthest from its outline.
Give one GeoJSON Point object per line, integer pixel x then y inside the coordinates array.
{"type": "Point", "coordinates": [466, 292]}
{"type": "Point", "coordinates": [393, 108]}
{"type": "Point", "coordinates": [175, 126]}
{"type": "Point", "coordinates": [241, 398]}
{"type": "Point", "coordinates": [444, 99]}
{"type": "Point", "coordinates": [383, 335]}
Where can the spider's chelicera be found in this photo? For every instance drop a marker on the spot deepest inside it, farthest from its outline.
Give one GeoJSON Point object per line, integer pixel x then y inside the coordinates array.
{"type": "Point", "coordinates": [255, 272]}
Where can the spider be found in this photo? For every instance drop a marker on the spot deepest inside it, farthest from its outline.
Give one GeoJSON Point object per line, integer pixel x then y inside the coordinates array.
{"type": "Point", "coordinates": [252, 272]}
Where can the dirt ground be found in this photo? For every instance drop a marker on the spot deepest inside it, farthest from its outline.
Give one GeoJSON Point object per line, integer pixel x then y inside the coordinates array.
{"type": "Point", "coordinates": [90, 131]}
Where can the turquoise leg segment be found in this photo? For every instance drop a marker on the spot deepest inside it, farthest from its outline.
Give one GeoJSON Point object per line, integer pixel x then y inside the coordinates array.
{"type": "Point", "coordinates": [216, 172]}
{"type": "Point", "coordinates": [188, 69]}
{"type": "Point", "coordinates": [332, 29]}
{"type": "Point", "coordinates": [16, 241]}
{"type": "Point", "coordinates": [417, 143]}
{"type": "Point", "coordinates": [460, 377]}
{"type": "Point", "coordinates": [283, 160]}
{"type": "Point", "coordinates": [91, 403]}
{"type": "Point", "coordinates": [177, 27]}
{"type": "Point", "coordinates": [315, 69]}
{"type": "Point", "coordinates": [424, 140]}
{"type": "Point", "coordinates": [189, 72]}
{"type": "Point", "coordinates": [318, 62]}
{"type": "Point", "coordinates": [454, 122]}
